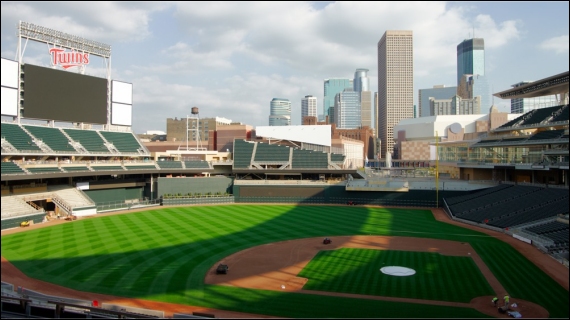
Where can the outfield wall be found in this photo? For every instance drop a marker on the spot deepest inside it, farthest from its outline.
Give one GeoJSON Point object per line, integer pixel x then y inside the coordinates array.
{"type": "Point", "coordinates": [193, 185]}
{"type": "Point", "coordinates": [337, 194]}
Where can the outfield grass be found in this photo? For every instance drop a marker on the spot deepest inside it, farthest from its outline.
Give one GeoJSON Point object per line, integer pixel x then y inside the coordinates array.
{"type": "Point", "coordinates": [357, 271]}
{"type": "Point", "coordinates": [164, 255]}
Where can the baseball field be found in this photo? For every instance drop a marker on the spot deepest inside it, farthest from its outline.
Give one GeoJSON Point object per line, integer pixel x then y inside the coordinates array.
{"type": "Point", "coordinates": [166, 254]}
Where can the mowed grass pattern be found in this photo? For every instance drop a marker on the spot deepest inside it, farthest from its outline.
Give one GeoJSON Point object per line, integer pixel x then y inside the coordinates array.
{"type": "Point", "coordinates": [357, 271]}
{"type": "Point", "coordinates": [164, 254]}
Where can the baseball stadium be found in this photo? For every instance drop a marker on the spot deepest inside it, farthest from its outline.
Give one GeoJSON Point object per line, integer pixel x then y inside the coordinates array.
{"type": "Point", "coordinates": [280, 225]}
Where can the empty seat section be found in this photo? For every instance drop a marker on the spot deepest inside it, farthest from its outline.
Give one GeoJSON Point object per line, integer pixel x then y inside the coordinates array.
{"type": "Point", "coordinates": [11, 168]}
{"type": "Point", "coordinates": [535, 213]}
{"type": "Point", "coordinates": [563, 116]}
{"type": "Point", "coordinates": [169, 164]}
{"type": "Point", "coordinates": [89, 139]}
{"type": "Point", "coordinates": [43, 169]}
{"type": "Point", "coordinates": [335, 157]}
{"type": "Point", "coordinates": [307, 159]}
{"type": "Point", "coordinates": [140, 167]}
{"type": "Point", "coordinates": [75, 168]}
{"type": "Point", "coordinates": [271, 152]}
{"type": "Point", "coordinates": [538, 115]}
{"type": "Point", "coordinates": [550, 134]}
{"type": "Point", "coordinates": [242, 154]}
{"type": "Point", "coordinates": [103, 168]}
{"type": "Point", "coordinates": [196, 164]}
{"type": "Point", "coordinates": [18, 138]}
{"type": "Point", "coordinates": [548, 227]}
{"type": "Point", "coordinates": [477, 194]}
{"type": "Point", "coordinates": [123, 141]}
{"type": "Point", "coordinates": [53, 137]}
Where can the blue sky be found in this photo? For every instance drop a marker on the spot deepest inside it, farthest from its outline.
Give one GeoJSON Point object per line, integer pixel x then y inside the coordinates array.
{"type": "Point", "coordinates": [230, 59]}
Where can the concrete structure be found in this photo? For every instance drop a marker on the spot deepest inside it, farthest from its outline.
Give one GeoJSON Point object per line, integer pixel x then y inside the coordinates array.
{"type": "Point", "coordinates": [177, 129]}
{"type": "Point", "coordinates": [308, 107]}
{"type": "Point", "coordinates": [280, 112]}
{"type": "Point", "coordinates": [225, 135]}
{"type": "Point", "coordinates": [331, 88]}
{"type": "Point", "coordinates": [524, 105]}
{"type": "Point", "coordinates": [470, 58]}
{"type": "Point", "coordinates": [395, 84]}
{"type": "Point", "coordinates": [415, 138]}
{"type": "Point", "coordinates": [454, 106]}
{"type": "Point", "coordinates": [438, 92]}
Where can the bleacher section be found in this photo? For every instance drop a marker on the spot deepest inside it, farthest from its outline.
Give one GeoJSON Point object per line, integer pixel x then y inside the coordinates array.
{"type": "Point", "coordinates": [511, 205]}
{"type": "Point", "coordinates": [75, 168]}
{"type": "Point", "coordinates": [242, 154]}
{"type": "Point", "coordinates": [11, 168]}
{"type": "Point", "coordinates": [14, 206]}
{"type": "Point", "coordinates": [198, 164]}
{"type": "Point", "coordinates": [307, 159]}
{"type": "Point", "coordinates": [89, 139]}
{"type": "Point", "coordinates": [549, 134]}
{"type": "Point", "coordinates": [43, 169]}
{"type": "Point", "coordinates": [18, 138]}
{"type": "Point", "coordinates": [335, 157]}
{"type": "Point", "coordinates": [563, 116]}
{"type": "Point", "coordinates": [140, 167]}
{"type": "Point", "coordinates": [74, 198]}
{"type": "Point", "coordinates": [52, 137]}
{"type": "Point", "coordinates": [103, 168]}
{"type": "Point", "coordinates": [271, 153]}
{"type": "Point", "coordinates": [123, 141]}
{"type": "Point", "coordinates": [169, 164]}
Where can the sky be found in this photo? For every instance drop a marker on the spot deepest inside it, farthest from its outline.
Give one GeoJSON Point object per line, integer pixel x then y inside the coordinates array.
{"type": "Point", "coordinates": [230, 59]}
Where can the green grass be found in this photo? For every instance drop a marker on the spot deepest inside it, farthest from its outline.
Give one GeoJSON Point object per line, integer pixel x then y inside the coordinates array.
{"type": "Point", "coordinates": [164, 255]}
{"type": "Point", "coordinates": [357, 271]}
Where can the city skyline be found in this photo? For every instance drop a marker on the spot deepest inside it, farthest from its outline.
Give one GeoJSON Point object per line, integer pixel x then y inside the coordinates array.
{"type": "Point", "coordinates": [230, 60]}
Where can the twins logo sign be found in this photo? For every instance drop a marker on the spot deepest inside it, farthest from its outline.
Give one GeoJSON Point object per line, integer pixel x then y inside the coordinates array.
{"type": "Point", "coordinates": [68, 59]}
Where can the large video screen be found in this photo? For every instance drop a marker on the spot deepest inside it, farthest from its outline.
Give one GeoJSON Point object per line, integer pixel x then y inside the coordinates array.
{"type": "Point", "coordinates": [63, 96]}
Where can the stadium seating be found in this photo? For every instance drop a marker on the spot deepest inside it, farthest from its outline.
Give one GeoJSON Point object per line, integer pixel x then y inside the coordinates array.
{"type": "Point", "coordinates": [548, 134]}
{"type": "Point", "coordinates": [550, 226]}
{"type": "Point", "coordinates": [307, 159]}
{"type": "Point", "coordinates": [75, 168]}
{"type": "Point", "coordinates": [196, 164]}
{"type": "Point", "coordinates": [243, 151]}
{"type": "Point", "coordinates": [43, 169]}
{"type": "Point", "coordinates": [169, 164]}
{"type": "Point", "coordinates": [123, 141]}
{"type": "Point", "coordinates": [52, 137]}
{"type": "Point", "coordinates": [140, 167]}
{"type": "Point", "coordinates": [270, 152]}
{"type": "Point", "coordinates": [103, 168]}
{"type": "Point", "coordinates": [89, 139]}
{"type": "Point", "coordinates": [11, 168]}
{"type": "Point", "coordinates": [562, 116]}
{"type": "Point", "coordinates": [18, 138]}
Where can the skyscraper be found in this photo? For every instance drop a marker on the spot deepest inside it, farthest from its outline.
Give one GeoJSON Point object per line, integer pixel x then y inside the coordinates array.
{"type": "Point", "coordinates": [331, 88]}
{"type": "Point", "coordinates": [470, 58]}
{"type": "Point", "coordinates": [347, 109]}
{"type": "Point", "coordinates": [361, 84]}
{"type": "Point", "coordinates": [437, 92]}
{"type": "Point", "coordinates": [308, 107]}
{"type": "Point", "coordinates": [280, 112]}
{"type": "Point", "coordinates": [395, 84]}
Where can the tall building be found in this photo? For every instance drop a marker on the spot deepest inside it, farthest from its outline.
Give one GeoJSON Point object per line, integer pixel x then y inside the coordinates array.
{"type": "Point", "coordinates": [455, 106]}
{"type": "Point", "coordinates": [395, 84]}
{"type": "Point", "coordinates": [347, 109]}
{"type": "Point", "coordinates": [192, 129]}
{"type": "Point", "coordinates": [280, 112]}
{"type": "Point", "coordinates": [437, 92]}
{"type": "Point", "coordinates": [331, 88]}
{"type": "Point", "coordinates": [472, 86]}
{"type": "Point", "coordinates": [524, 105]}
{"type": "Point", "coordinates": [308, 107]}
{"type": "Point", "coordinates": [361, 84]}
{"type": "Point", "coordinates": [470, 58]}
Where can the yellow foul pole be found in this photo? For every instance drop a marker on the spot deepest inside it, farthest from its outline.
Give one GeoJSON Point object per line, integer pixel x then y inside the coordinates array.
{"type": "Point", "coordinates": [436, 170]}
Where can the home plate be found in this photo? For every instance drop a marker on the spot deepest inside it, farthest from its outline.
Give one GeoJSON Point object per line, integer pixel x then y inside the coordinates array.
{"type": "Point", "coordinates": [398, 271]}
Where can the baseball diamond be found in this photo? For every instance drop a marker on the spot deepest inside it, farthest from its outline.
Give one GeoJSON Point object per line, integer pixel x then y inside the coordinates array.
{"type": "Point", "coordinates": [170, 255]}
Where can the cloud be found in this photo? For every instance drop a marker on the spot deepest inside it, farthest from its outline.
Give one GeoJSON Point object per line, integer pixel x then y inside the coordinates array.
{"type": "Point", "coordinates": [557, 44]}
